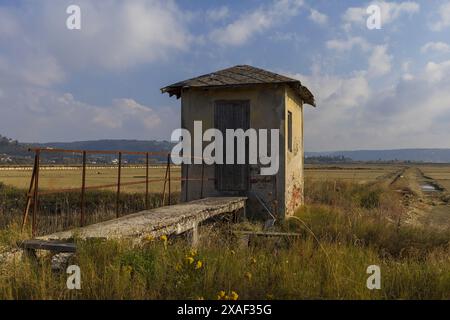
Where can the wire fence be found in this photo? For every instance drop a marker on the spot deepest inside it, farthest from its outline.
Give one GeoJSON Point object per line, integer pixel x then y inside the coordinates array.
{"type": "Point", "coordinates": [34, 191]}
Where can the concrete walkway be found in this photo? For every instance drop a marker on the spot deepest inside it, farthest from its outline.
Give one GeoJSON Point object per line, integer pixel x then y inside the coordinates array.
{"type": "Point", "coordinates": [167, 220]}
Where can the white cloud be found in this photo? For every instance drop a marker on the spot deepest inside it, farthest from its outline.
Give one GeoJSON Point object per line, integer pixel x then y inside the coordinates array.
{"type": "Point", "coordinates": [218, 14]}
{"type": "Point", "coordinates": [32, 68]}
{"type": "Point", "coordinates": [409, 113]}
{"type": "Point", "coordinates": [413, 113]}
{"type": "Point", "coordinates": [123, 110]}
{"type": "Point", "coordinates": [114, 34]}
{"type": "Point", "coordinates": [407, 75]}
{"type": "Point", "coordinates": [336, 93]}
{"type": "Point", "coordinates": [293, 37]}
{"type": "Point", "coordinates": [442, 20]}
{"type": "Point", "coordinates": [318, 17]}
{"type": "Point", "coordinates": [390, 12]}
{"type": "Point", "coordinates": [348, 44]}
{"type": "Point", "coordinates": [354, 15]}
{"type": "Point", "coordinates": [440, 47]}
{"type": "Point", "coordinates": [436, 72]}
{"type": "Point", "coordinates": [340, 99]}
{"type": "Point", "coordinates": [130, 33]}
{"type": "Point", "coordinates": [379, 62]}
{"type": "Point", "coordinates": [246, 26]}
{"type": "Point", "coordinates": [46, 115]}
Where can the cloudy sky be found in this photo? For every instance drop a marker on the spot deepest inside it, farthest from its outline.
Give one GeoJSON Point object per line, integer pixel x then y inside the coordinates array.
{"type": "Point", "coordinates": [387, 88]}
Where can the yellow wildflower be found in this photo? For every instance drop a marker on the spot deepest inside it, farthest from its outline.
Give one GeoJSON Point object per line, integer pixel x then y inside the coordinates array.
{"type": "Point", "coordinates": [198, 265]}
{"type": "Point", "coordinates": [163, 238]}
{"type": "Point", "coordinates": [221, 295]}
{"type": "Point", "coordinates": [193, 252]}
{"type": "Point", "coordinates": [234, 295]}
{"type": "Point", "coordinates": [149, 238]}
{"type": "Point", "coordinates": [127, 269]}
{"type": "Point", "coordinates": [190, 260]}
{"type": "Point", "coordinates": [178, 267]}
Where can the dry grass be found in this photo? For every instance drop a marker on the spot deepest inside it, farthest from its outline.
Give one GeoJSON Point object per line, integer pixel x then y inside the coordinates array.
{"type": "Point", "coordinates": [440, 173]}
{"type": "Point", "coordinates": [268, 270]}
{"type": "Point", "coordinates": [59, 212]}
{"type": "Point", "coordinates": [57, 179]}
{"type": "Point", "coordinates": [356, 173]}
{"type": "Point", "coordinates": [345, 228]}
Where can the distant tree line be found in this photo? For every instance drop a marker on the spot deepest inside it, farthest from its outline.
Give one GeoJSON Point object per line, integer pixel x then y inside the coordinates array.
{"type": "Point", "coordinates": [327, 159]}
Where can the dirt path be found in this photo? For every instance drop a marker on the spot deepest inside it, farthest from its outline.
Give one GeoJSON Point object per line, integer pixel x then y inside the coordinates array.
{"type": "Point", "coordinates": [427, 203]}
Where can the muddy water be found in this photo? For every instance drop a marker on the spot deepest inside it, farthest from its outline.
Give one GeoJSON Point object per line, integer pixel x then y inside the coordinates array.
{"type": "Point", "coordinates": [424, 203]}
{"type": "Point", "coordinates": [428, 188]}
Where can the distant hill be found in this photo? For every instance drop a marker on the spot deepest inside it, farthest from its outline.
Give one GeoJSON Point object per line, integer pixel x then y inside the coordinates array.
{"type": "Point", "coordinates": [11, 147]}
{"type": "Point", "coordinates": [19, 151]}
{"type": "Point", "coordinates": [108, 145]}
{"type": "Point", "coordinates": [112, 145]}
{"type": "Point", "coordinates": [12, 151]}
{"type": "Point", "coordinates": [413, 155]}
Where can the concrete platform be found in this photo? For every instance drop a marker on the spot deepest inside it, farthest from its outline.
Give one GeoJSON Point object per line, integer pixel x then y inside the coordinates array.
{"type": "Point", "coordinates": [167, 220]}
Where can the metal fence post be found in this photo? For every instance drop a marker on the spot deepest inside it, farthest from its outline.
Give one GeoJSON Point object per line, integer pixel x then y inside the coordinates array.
{"type": "Point", "coordinates": [168, 166]}
{"type": "Point", "coordinates": [164, 188]}
{"type": "Point", "coordinates": [29, 195]}
{"type": "Point", "coordinates": [119, 173]}
{"type": "Point", "coordinates": [146, 182]}
{"type": "Point", "coordinates": [36, 194]}
{"type": "Point", "coordinates": [83, 188]}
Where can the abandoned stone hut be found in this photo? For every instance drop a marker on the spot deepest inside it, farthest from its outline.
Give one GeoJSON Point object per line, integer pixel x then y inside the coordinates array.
{"type": "Point", "coordinates": [247, 97]}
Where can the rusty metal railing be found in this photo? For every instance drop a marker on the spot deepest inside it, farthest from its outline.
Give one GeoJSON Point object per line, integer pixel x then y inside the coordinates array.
{"type": "Point", "coordinates": [34, 192]}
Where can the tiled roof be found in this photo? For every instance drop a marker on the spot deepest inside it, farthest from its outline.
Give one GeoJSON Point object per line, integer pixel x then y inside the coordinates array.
{"type": "Point", "coordinates": [241, 75]}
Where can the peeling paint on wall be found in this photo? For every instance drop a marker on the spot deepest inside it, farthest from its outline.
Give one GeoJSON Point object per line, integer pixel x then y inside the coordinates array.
{"type": "Point", "coordinates": [269, 105]}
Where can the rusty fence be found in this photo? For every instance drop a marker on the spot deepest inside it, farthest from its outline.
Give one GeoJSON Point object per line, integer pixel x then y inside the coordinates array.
{"type": "Point", "coordinates": [34, 192]}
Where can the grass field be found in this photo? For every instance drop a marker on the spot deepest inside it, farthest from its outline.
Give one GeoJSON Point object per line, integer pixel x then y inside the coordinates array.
{"type": "Point", "coordinates": [57, 179]}
{"type": "Point", "coordinates": [358, 173]}
{"type": "Point", "coordinates": [54, 179]}
{"type": "Point", "coordinates": [355, 216]}
{"type": "Point", "coordinates": [440, 173]}
{"type": "Point", "coordinates": [344, 228]}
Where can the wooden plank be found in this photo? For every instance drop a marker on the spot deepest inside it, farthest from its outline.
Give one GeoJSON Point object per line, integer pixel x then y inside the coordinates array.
{"type": "Point", "coordinates": [266, 234]}
{"type": "Point", "coordinates": [36, 244]}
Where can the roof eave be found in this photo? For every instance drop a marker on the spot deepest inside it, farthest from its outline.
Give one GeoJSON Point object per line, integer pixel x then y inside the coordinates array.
{"type": "Point", "coordinates": [304, 93]}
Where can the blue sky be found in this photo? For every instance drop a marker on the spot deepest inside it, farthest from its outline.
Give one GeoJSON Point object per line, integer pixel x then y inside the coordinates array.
{"type": "Point", "coordinates": [387, 88]}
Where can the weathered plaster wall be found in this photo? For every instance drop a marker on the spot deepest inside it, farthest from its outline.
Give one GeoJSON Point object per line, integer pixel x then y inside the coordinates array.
{"type": "Point", "coordinates": [267, 111]}
{"type": "Point", "coordinates": [294, 182]}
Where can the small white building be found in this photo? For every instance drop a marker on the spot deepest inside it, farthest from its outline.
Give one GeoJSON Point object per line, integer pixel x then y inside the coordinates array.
{"type": "Point", "coordinates": [247, 97]}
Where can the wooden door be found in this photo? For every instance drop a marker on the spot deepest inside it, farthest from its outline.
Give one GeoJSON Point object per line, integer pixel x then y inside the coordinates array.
{"type": "Point", "coordinates": [232, 114]}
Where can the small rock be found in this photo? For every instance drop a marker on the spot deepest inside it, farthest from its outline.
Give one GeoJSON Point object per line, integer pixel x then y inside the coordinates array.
{"type": "Point", "coordinates": [60, 261]}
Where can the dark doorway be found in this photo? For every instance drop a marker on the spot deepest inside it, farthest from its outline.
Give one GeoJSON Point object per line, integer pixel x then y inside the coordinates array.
{"type": "Point", "coordinates": [232, 114]}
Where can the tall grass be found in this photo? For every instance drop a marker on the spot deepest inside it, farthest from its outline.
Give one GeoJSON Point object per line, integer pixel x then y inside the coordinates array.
{"type": "Point", "coordinates": [268, 270]}
{"type": "Point", "coordinates": [62, 211]}
{"type": "Point", "coordinates": [344, 229]}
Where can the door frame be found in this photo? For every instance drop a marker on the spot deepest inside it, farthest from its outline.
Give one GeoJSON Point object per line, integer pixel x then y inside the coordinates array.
{"type": "Point", "coordinates": [246, 103]}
